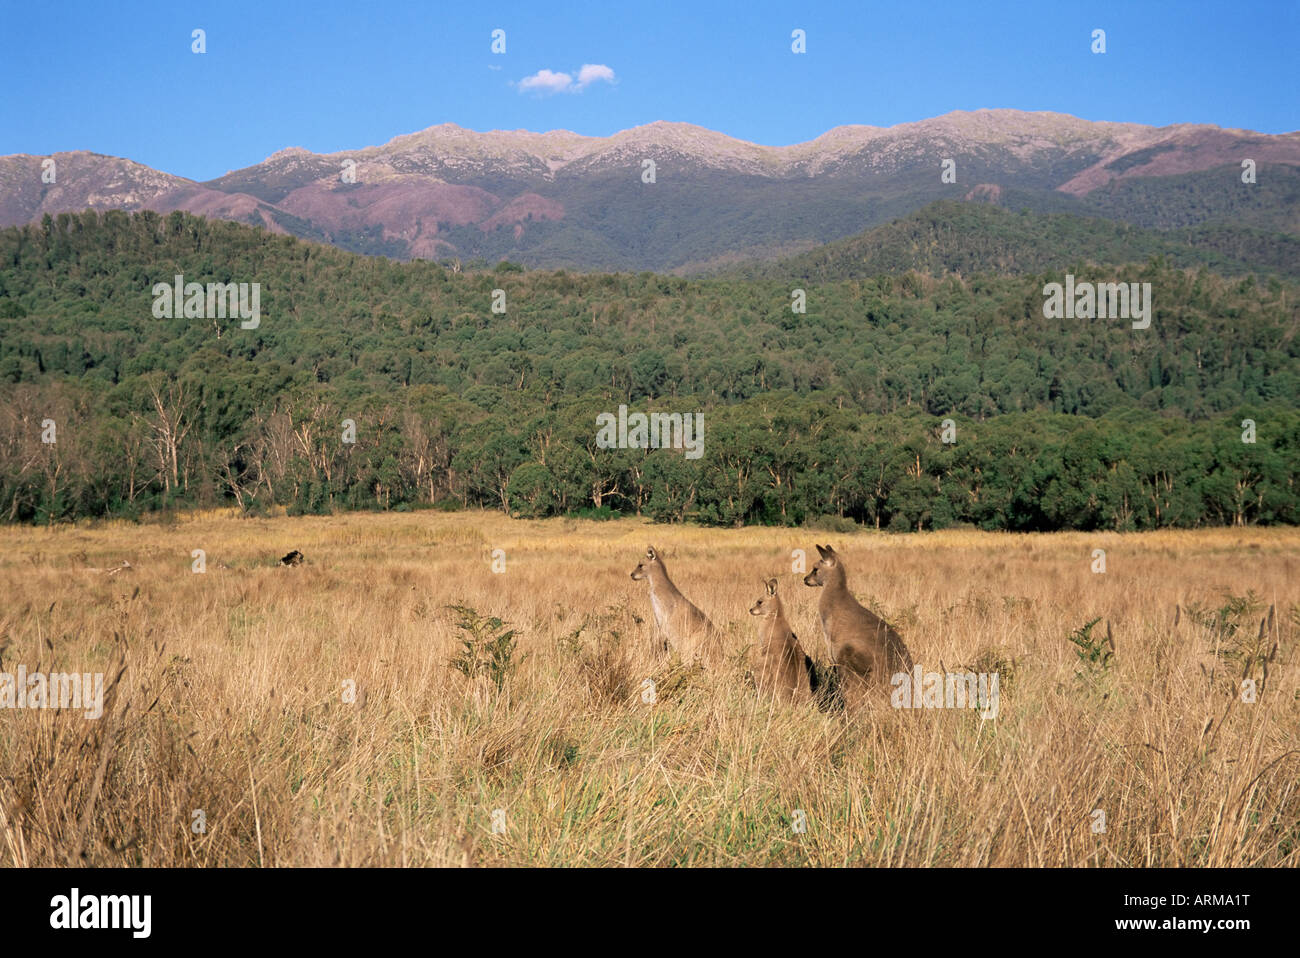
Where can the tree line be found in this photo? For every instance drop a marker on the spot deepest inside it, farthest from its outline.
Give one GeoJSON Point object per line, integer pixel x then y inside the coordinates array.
{"type": "Point", "coordinates": [776, 459]}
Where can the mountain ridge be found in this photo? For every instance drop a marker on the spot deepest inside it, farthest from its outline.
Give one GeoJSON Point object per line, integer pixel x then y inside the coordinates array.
{"type": "Point", "coordinates": [559, 198]}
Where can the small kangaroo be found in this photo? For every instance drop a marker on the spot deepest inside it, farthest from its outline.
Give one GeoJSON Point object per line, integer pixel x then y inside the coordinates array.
{"type": "Point", "coordinates": [783, 671]}
{"type": "Point", "coordinates": [865, 649]}
{"type": "Point", "coordinates": [679, 624]}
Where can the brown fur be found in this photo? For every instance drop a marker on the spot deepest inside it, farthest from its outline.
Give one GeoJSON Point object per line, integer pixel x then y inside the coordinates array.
{"type": "Point", "coordinates": [781, 670]}
{"type": "Point", "coordinates": [865, 649]}
{"type": "Point", "coordinates": [678, 623]}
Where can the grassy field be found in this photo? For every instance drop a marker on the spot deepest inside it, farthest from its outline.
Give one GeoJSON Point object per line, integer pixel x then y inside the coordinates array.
{"type": "Point", "coordinates": [231, 734]}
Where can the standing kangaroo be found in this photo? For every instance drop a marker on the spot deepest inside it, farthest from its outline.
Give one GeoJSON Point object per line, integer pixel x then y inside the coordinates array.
{"type": "Point", "coordinates": [679, 624]}
{"type": "Point", "coordinates": [783, 670]}
{"type": "Point", "coordinates": [864, 648]}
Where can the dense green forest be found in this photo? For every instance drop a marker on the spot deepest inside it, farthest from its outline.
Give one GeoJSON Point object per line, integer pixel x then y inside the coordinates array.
{"type": "Point", "coordinates": [955, 237]}
{"type": "Point", "coordinates": [837, 411]}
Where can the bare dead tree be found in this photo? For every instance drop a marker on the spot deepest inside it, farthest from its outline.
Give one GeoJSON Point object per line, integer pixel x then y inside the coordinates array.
{"type": "Point", "coordinates": [169, 422]}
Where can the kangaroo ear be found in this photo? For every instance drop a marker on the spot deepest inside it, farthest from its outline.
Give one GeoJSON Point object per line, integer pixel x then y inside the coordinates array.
{"type": "Point", "coordinates": [830, 553]}
{"type": "Point", "coordinates": [650, 552]}
{"type": "Point", "coordinates": [822, 551]}
{"type": "Point", "coordinates": [771, 587]}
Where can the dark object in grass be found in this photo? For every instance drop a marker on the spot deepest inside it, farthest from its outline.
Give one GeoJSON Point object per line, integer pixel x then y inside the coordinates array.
{"type": "Point", "coordinates": [824, 683]}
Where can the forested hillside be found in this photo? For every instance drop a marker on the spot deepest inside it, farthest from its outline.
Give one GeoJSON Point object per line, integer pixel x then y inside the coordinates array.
{"type": "Point", "coordinates": [960, 237]}
{"type": "Point", "coordinates": [836, 411]}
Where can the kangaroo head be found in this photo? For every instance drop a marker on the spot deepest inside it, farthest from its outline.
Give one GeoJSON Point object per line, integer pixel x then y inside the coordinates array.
{"type": "Point", "coordinates": [768, 603]}
{"type": "Point", "coordinates": [821, 573]}
{"type": "Point", "coordinates": [651, 561]}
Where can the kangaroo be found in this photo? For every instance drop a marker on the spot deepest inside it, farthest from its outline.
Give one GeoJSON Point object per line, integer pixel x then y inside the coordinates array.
{"type": "Point", "coordinates": [784, 671]}
{"type": "Point", "coordinates": [865, 649]}
{"type": "Point", "coordinates": [679, 624]}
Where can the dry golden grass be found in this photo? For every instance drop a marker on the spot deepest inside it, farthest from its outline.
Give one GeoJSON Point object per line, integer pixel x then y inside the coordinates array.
{"type": "Point", "coordinates": [231, 700]}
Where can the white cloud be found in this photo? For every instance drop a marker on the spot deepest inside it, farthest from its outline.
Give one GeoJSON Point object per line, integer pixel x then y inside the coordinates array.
{"type": "Point", "coordinates": [544, 81]}
{"type": "Point", "coordinates": [591, 72]}
{"type": "Point", "coordinates": [548, 81]}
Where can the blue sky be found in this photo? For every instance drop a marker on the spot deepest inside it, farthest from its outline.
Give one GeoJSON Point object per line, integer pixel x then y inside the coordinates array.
{"type": "Point", "coordinates": [332, 75]}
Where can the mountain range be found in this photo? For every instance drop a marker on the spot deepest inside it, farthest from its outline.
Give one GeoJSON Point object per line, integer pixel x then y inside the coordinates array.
{"type": "Point", "coordinates": [560, 199]}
